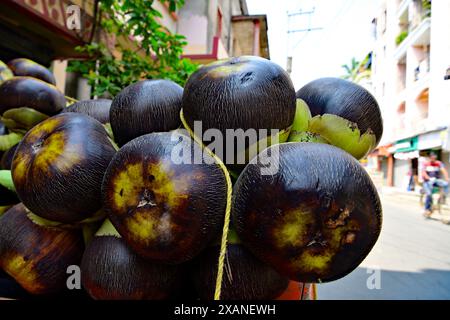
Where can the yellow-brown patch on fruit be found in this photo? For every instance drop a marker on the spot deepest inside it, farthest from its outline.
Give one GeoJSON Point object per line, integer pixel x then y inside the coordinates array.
{"type": "Point", "coordinates": [142, 226]}
{"type": "Point", "coordinates": [292, 230]}
{"type": "Point", "coordinates": [56, 151]}
{"type": "Point", "coordinates": [23, 272]}
{"type": "Point", "coordinates": [226, 70]}
{"type": "Point", "coordinates": [127, 186]}
{"type": "Point", "coordinates": [43, 129]}
{"type": "Point", "coordinates": [310, 261]}
{"type": "Point", "coordinates": [166, 186]}
{"type": "Point", "coordinates": [338, 235]}
{"type": "Point", "coordinates": [21, 165]}
{"type": "Point", "coordinates": [318, 260]}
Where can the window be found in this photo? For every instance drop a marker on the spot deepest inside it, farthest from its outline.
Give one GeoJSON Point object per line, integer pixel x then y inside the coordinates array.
{"type": "Point", "coordinates": [219, 23]}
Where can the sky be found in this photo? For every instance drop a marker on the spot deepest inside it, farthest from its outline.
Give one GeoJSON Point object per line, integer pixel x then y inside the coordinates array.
{"type": "Point", "coordinates": [346, 33]}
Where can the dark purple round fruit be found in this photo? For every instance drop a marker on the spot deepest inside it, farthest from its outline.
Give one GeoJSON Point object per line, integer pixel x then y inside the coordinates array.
{"type": "Point", "coordinates": [32, 93]}
{"type": "Point", "coordinates": [166, 208]}
{"type": "Point", "coordinates": [112, 271]}
{"type": "Point", "coordinates": [29, 68]}
{"type": "Point", "coordinates": [37, 256]}
{"type": "Point", "coordinates": [58, 167]}
{"type": "Point", "coordinates": [315, 219]}
{"type": "Point", "coordinates": [240, 93]}
{"type": "Point", "coordinates": [97, 109]}
{"type": "Point", "coordinates": [145, 107]}
{"type": "Point", "coordinates": [244, 277]}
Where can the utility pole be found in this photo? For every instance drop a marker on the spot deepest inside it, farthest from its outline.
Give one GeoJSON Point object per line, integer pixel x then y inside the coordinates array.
{"type": "Point", "coordinates": [291, 33]}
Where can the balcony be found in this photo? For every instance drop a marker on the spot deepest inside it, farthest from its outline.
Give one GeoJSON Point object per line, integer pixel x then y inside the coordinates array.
{"type": "Point", "coordinates": [420, 36]}
{"type": "Point", "coordinates": [402, 12]}
{"type": "Point", "coordinates": [419, 89]}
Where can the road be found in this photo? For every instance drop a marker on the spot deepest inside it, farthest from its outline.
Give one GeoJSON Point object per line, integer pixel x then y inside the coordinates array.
{"type": "Point", "coordinates": [411, 259]}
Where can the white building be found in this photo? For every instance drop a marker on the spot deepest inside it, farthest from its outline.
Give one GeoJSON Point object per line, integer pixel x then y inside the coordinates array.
{"type": "Point", "coordinates": [410, 60]}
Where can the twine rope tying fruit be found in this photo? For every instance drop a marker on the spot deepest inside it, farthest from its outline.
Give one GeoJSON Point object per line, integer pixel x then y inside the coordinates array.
{"type": "Point", "coordinates": [226, 224]}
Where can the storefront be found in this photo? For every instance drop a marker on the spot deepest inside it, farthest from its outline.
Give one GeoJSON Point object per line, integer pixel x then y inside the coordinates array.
{"type": "Point", "coordinates": [405, 169]}
{"type": "Point", "coordinates": [409, 155]}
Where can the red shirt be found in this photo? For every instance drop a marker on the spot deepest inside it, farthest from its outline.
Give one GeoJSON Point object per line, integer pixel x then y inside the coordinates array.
{"type": "Point", "coordinates": [433, 168]}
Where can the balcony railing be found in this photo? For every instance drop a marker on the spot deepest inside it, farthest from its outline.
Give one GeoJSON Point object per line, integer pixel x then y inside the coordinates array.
{"type": "Point", "coordinates": [419, 36]}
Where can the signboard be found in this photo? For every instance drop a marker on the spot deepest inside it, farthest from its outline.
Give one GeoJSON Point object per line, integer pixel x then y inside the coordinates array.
{"type": "Point", "coordinates": [55, 14]}
{"type": "Point", "coordinates": [431, 140]}
{"type": "Point", "coordinates": [406, 145]}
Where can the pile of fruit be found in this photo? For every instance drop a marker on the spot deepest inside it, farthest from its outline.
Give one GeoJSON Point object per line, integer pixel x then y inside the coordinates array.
{"type": "Point", "coordinates": [146, 195]}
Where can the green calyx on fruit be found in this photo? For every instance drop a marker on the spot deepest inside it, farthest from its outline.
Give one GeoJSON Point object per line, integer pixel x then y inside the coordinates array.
{"type": "Point", "coordinates": [324, 214]}
{"type": "Point", "coordinates": [330, 129]}
{"type": "Point", "coordinates": [37, 256]}
{"type": "Point", "coordinates": [59, 165]}
{"type": "Point", "coordinates": [107, 229]}
{"type": "Point", "coordinates": [301, 118]}
{"type": "Point", "coordinates": [6, 180]}
{"type": "Point", "coordinates": [166, 208]}
{"type": "Point", "coordinates": [9, 140]}
{"type": "Point", "coordinates": [22, 118]}
{"type": "Point", "coordinates": [97, 217]}
{"type": "Point", "coordinates": [299, 131]}
{"type": "Point", "coordinates": [41, 221]}
{"type": "Point", "coordinates": [343, 134]}
{"type": "Point", "coordinates": [343, 113]}
{"type": "Point", "coordinates": [5, 72]}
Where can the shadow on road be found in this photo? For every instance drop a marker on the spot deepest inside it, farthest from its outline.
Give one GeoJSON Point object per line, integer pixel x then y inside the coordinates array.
{"type": "Point", "coordinates": [394, 285]}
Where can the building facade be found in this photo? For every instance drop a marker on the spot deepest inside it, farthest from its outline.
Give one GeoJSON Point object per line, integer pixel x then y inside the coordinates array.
{"type": "Point", "coordinates": [39, 30]}
{"type": "Point", "coordinates": [218, 29]}
{"type": "Point", "coordinates": [409, 62]}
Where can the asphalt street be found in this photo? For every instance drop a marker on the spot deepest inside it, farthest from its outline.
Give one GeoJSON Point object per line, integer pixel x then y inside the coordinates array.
{"type": "Point", "coordinates": [411, 259]}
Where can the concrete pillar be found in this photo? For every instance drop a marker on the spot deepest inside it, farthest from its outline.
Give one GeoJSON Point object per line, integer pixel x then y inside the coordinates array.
{"type": "Point", "coordinates": [59, 71]}
{"type": "Point", "coordinates": [390, 171]}
{"type": "Point", "coordinates": [256, 36]}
